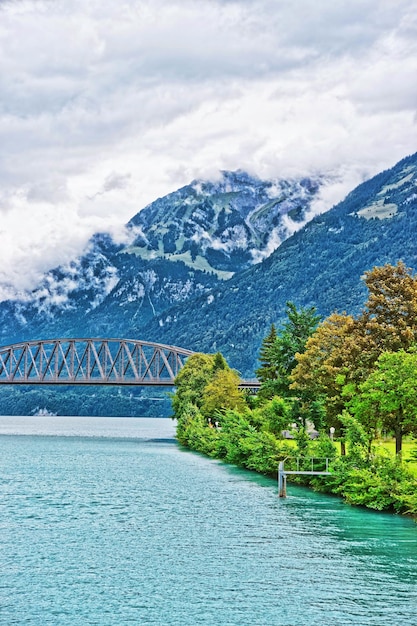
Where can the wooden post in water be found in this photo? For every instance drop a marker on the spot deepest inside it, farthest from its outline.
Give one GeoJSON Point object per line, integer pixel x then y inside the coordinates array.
{"type": "Point", "coordinates": [282, 481]}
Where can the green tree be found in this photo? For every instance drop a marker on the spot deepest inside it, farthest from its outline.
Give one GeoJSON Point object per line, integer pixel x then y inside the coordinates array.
{"type": "Point", "coordinates": [219, 362]}
{"type": "Point", "coordinates": [267, 370]}
{"type": "Point", "coordinates": [358, 438]}
{"type": "Point", "coordinates": [191, 381]}
{"type": "Point", "coordinates": [275, 415]}
{"type": "Point", "coordinates": [389, 396]}
{"type": "Point", "coordinates": [222, 393]}
{"type": "Point", "coordinates": [278, 353]}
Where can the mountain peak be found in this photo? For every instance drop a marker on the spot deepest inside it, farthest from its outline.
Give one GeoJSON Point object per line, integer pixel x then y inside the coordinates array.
{"type": "Point", "coordinates": [225, 225]}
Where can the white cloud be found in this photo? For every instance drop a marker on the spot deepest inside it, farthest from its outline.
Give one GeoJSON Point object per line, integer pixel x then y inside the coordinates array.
{"type": "Point", "coordinates": [106, 106]}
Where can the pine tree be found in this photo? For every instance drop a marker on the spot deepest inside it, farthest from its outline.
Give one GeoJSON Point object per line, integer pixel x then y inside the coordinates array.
{"type": "Point", "coordinates": [278, 351]}
{"type": "Point", "coordinates": [219, 362]}
{"type": "Point", "coordinates": [268, 370]}
{"type": "Point", "coordinates": [292, 340]}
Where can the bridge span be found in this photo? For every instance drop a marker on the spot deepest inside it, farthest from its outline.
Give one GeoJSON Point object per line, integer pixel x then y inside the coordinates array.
{"type": "Point", "coordinates": [93, 362]}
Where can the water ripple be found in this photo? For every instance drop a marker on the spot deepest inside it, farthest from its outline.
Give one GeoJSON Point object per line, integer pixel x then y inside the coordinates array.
{"type": "Point", "coordinates": [115, 530]}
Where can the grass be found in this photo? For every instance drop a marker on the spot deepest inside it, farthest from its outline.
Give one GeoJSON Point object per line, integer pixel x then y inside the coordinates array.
{"type": "Point", "coordinates": [389, 445]}
{"type": "Point", "coordinates": [408, 446]}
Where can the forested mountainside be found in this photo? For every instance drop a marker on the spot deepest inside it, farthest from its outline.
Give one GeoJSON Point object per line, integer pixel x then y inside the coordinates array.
{"type": "Point", "coordinates": [320, 265]}
{"type": "Point", "coordinates": [179, 247]}
{"type": "Point", "coordinates": [161, 288]}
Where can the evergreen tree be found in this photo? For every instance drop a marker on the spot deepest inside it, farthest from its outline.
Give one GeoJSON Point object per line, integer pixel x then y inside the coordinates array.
{"type": "Point", "coordinates": [292, 340]}
{"type": "Point", "coordinates": [268, 370]}
{"type": "Point", "coordinates": [219, 362]}
{"type": "Point", "coordinates": [279, 350]}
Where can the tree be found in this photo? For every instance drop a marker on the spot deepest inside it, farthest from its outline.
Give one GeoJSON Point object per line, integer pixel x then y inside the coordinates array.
{"type": "Point", "coordinates": [275, 415]}
{"type": "Point", "coordinates": [389, 319]}
{"type": "Point", "coordinates": [191, 381]}
{"type": "Point", "coordinates": [278, 353]}
{"type": "Point", "coordinates": [267, 371]}
{"type": "Point", "coordinates": [322, 368]}
{"type": "Point", "coordinates": [219, 362]}
{"type": "Point", "coordinates": [222, 393]}
{"type": "Point", "coordinates": [343, 351]}
{"type": "Point", "coordinates": [208, 383]}
{"type": "Point", "coordinates": [389, 396]}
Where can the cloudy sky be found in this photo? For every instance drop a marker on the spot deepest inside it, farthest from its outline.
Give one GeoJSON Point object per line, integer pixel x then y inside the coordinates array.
{"type": "Point", "coordinates": [106, 106]}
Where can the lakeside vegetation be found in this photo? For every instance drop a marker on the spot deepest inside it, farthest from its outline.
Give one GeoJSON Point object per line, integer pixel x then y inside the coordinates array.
{"type": "Point", "coordinates": [338, 387]}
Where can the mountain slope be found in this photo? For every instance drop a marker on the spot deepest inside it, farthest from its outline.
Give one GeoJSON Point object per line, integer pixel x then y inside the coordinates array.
{"type": "Point", "coordinates": [115, 291]}
{"type": "Point", "coordinates": [180, 247]}
{"type": "Point", "coordinates": [320, 265]}
{"type": "Point", "coordinates": [223, 226]}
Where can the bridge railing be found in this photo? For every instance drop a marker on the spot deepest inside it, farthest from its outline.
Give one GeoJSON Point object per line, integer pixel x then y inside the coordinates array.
{"type": "Point", "coordinates": [307, 464]}
{"type": "Point", "coordinates": [301, 470]}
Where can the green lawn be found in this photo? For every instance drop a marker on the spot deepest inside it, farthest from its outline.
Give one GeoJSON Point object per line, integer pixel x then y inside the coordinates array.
{"type": "Point", "coordinates": [407, 447]}
{"type": "Point", "coordinates": [389, 444]}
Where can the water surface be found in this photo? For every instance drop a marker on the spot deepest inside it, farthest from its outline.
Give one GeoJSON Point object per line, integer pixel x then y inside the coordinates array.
{"type": "Point", "coordinates": [109, 522]}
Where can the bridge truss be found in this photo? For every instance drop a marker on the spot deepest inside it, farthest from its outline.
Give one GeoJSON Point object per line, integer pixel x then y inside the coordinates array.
{"type": "Point", "coordinates": [91, 362]}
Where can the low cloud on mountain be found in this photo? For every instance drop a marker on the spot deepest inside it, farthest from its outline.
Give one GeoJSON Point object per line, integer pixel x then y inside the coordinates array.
{"type": "Point", "coordinates": [106, 106]}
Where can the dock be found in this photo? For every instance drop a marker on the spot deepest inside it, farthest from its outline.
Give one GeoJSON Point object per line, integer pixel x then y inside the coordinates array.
{"type": "Point", "coordinates": [283, 473]}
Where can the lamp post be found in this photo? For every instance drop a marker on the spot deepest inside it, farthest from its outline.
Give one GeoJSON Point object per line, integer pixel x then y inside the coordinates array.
{"type": "Point", "coordinates": [332, 429]}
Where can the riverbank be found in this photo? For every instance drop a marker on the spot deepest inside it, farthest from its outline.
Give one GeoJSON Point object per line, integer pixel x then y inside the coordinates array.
{"type": "Point", "coordinates": [372, 478]}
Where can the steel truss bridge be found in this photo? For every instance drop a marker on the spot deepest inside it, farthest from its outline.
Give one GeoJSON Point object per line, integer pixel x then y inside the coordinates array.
{"type": "Point", "coordinates": [91, 362]}
{"type": "Point", "coordinates": [94, 362]}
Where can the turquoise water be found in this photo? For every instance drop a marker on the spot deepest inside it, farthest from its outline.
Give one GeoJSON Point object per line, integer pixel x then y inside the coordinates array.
{"type": "Point", "coordinates": [109, 522]}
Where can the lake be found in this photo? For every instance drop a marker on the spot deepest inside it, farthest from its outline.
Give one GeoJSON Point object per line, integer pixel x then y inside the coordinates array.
{"type": "Point", "coordinates": [109, 522]}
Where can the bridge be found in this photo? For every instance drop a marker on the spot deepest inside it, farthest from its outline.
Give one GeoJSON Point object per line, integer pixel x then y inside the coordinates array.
{"type": "Point", "coordinates": [94, 362]}
{"type": "Point", "coordinates": [91, 362]}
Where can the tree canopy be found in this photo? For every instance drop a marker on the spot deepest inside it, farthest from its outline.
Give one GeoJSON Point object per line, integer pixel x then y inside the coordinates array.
{"type": "Point", "coordinates": [388, 398]}
{"type": "Point", "coordinates": [208, 383]}
{"type": "Point", "coordinates": [279, 349]}
{"type": "Point", "coordinates": [388, 321]}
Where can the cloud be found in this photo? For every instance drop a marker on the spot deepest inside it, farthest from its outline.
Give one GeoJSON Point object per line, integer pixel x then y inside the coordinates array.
{"type": "Point", "coordinates": [106, 106]}
{"type": "Point", "coordinates": [51, 190]}
{"type": "Point", "coordinates": [116, 181]}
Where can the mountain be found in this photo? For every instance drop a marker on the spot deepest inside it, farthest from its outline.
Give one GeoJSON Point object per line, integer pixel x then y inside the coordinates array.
{"type": "Point", "coordinates": [320, 265]}
{"type": "Point", "coordinates": [178, 248]}
{"type": "Point", "coordinates": [189, 275]}
{"type": "Point", "coordinates": [224, 226]}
